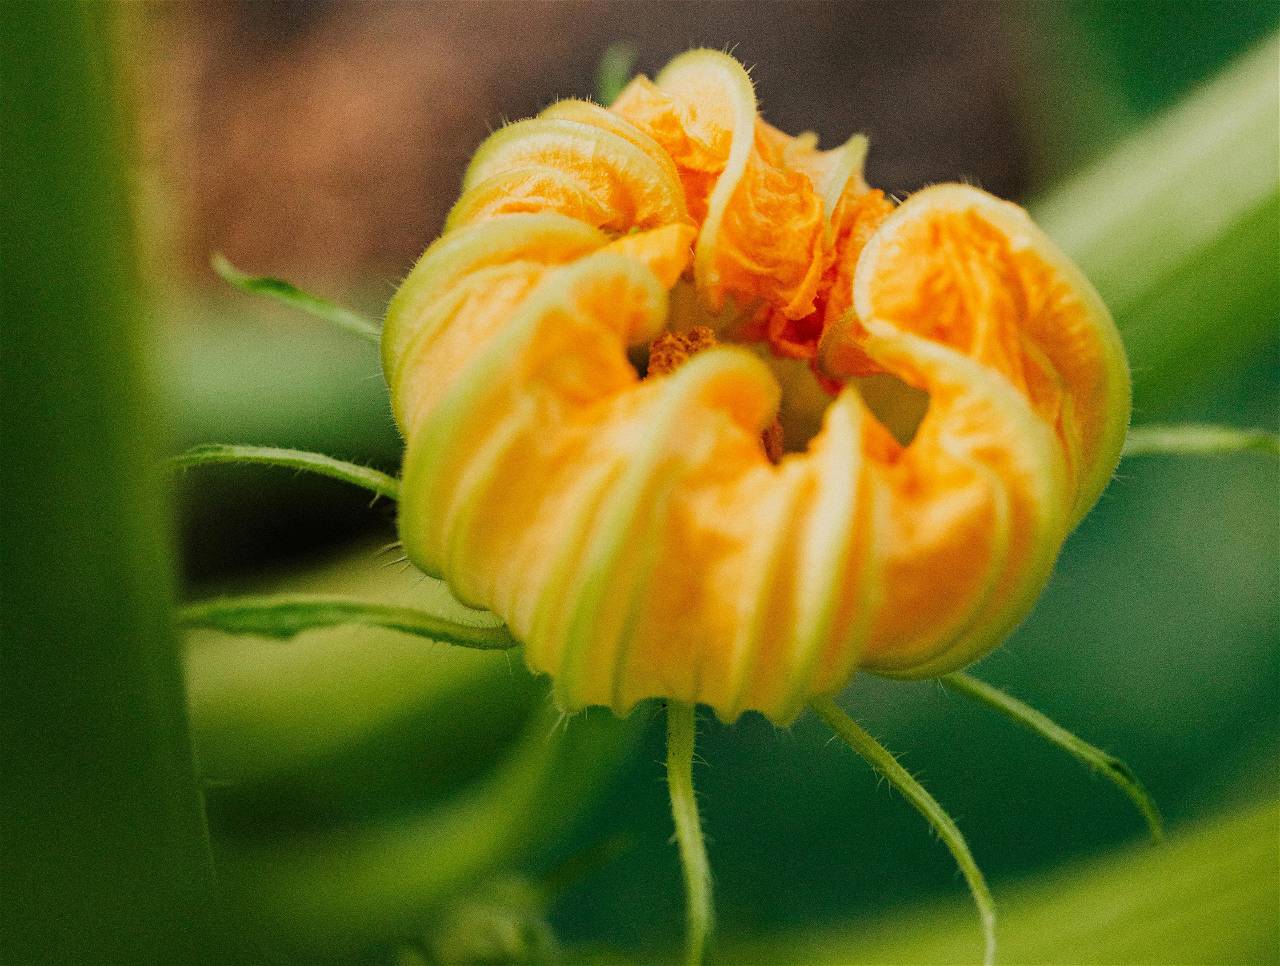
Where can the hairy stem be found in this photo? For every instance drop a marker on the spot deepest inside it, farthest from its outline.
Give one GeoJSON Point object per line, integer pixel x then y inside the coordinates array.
{"type": "Point", "coordinates": [373, 480]}
{"type": "Point", "coordinates": [1198, 439]}
{"type": "Point", "coordinates": [699, 910]}
{"type": "Point", "coordinates": [284, 616]}
{"type": "Point", "coordinates": [294, 297]}
{"type": "Point", "coordinates": [883, 762]}
{"type": "Point", "coordinates": [1095, 758]}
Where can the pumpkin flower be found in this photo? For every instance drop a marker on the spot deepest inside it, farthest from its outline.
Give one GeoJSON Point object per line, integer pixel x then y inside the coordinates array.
{"type": "Point", "coordinates": [703, 417]}
{"type": "Point", "coordinates": [589, 368]}
{"type": "Point", "coordinates": [632, 530]}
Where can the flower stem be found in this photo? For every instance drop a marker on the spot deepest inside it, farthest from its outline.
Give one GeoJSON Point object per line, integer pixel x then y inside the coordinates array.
{"type": "Point", "coordinates": [1093, 757]}
{"type": "Point", "coordinates": [289, 294]}
{"type": "Point", "coordinates": [375, 481]}
{"type": "Point", "coordinates": [1193, 439]}
{"type": "Point", "coordinates": [883, 762]}
{"type": "Point", "coordinates": [284, 616]}
{"type": "Point", "coordinates": [699, 913]}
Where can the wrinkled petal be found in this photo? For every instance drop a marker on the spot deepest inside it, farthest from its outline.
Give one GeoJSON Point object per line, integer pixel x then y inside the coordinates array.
{"type": "Point", "coordinates": [969, 396]}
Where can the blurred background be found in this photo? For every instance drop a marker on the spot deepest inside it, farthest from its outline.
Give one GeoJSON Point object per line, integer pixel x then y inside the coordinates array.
{"type": "Point", "coordinates": [366, 795]}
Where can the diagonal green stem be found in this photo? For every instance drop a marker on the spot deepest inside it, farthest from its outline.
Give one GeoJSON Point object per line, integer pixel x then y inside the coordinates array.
{"type": "Point", "coordinates": [1195, 439]}
{"type": "Point", "coordinates": [880, 759]}
{"type": "Point", "coordinates": [284, 616]}
{"type": "Point", "coordinates": [294, 297]}
{"type": "Point", "coordinates": [699, 910]}
{"type": "Point", "coordinates": [379, 483]}
{"type": "Point", "coordinates": [1095, 758]}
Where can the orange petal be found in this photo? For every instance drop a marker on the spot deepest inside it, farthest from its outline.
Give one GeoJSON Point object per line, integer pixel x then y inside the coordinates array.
{"type": "Point", "coordinates": [635, 534]}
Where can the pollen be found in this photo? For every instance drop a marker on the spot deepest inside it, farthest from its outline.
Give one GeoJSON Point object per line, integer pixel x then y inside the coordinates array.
{"type": "Point", "coordinates": [671, 350]}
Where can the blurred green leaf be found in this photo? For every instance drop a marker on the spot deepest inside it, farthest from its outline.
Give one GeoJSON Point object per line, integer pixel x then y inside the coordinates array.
{"type": "Point", "coordinates": [617, 65]}
{"type": "Point", "coordinates": [502, 921]}
{"type": "Point", "coordinates": [1179, 226]}
{"type": "Point", "coordinates": [264, 709]}
{"type": "Point", "coordinates": [343, 888]}
{"type": "Point", "coordinates": [1209, 897]}
{"type": "Point", "coordinates": [241, 373]}
{"type": "Point", "coordinates": [105, 851]}
{"type": "Point", "coordinates": [362, 778]}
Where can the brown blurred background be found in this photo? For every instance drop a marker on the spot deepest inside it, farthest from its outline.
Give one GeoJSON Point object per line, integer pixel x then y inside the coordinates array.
{"type": "Point", "coordinates": [325, 141]}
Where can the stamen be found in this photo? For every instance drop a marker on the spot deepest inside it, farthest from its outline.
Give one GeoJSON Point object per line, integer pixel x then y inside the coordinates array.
{"type": "Point", "coordinates": [671, 350]}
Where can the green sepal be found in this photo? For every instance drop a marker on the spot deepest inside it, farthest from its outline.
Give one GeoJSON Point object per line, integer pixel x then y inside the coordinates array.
{"type": "Point", "coordinates": [287, 615]}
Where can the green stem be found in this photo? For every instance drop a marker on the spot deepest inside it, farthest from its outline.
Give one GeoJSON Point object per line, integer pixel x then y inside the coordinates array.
{"type": "Point", "coordinates": [294, 297]}
{"type": "Point", "coordinates": [106, 857]}
{"type": "Point", "coordinates": [879, 758]}
{"type": "Point", "coordinates": [617, 64]}
{"type": "Point", "coordinates": [375, 481]}
{"type": "Point", "coordinates": [699, 911]}
{"type": "Point", "coordinates": [1094, 758]}
{"type": "Point", "coordinates": [1199, 440]}
{"type": "Point", "coordinates": [285, 616]}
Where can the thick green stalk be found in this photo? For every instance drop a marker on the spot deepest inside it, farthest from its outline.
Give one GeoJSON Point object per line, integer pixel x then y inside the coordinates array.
{"type": "Point", "coordinates": [105, 853]}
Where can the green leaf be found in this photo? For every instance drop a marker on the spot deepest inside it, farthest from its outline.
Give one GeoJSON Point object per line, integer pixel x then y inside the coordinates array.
{"type": "Point", "coordinates": [336, 890]}
{"type": "Point", "coordinates": [699, 909]}
{"type": "Point", "coordinates": [285, 616]}
{"type": "Point", "coordinates": [295, 297]}
{"type": "Point", "coordinates": [373, 480]}
{"type": "Point", "coordinates": [1194, 439]}
{"type": "Point", "coordinates": [1095, 758]}
{"type": "Point", "coordinates": [883, 762]}
{"type": "Point", "coordinates": [1209, 896]}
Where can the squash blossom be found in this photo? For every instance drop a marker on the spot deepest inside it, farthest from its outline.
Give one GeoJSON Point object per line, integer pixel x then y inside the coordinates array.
{"type": "Point", "coordinates": [589, 367]}
{"type": "Point", "coordinates": [703, 417]}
